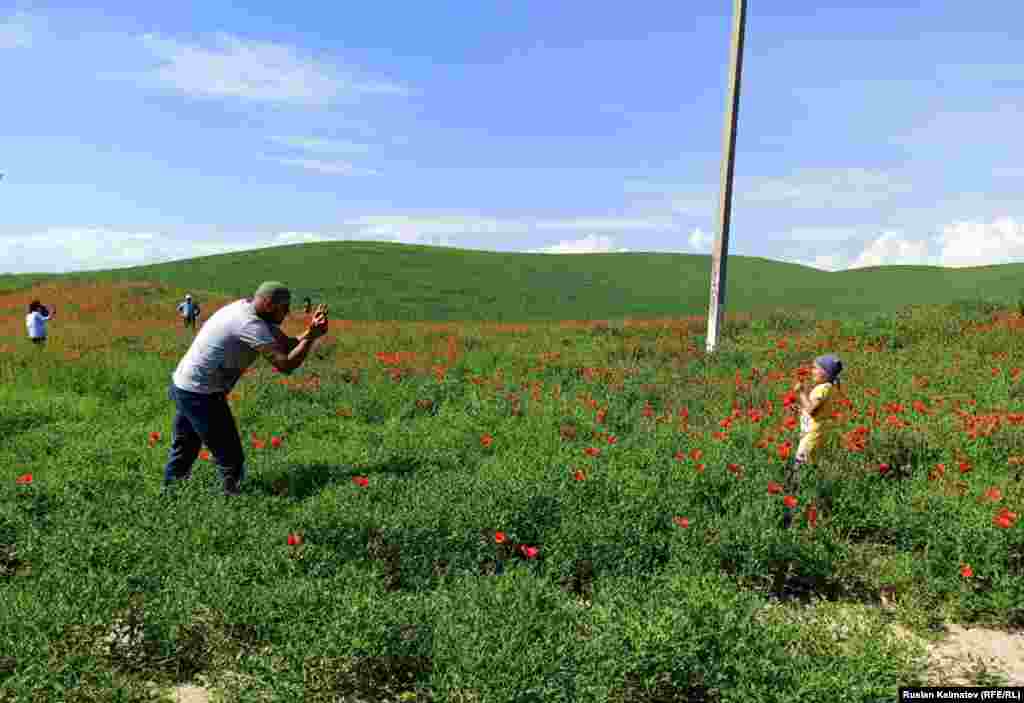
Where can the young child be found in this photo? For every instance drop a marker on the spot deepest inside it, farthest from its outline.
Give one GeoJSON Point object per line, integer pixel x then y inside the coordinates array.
{"type": "Point", "coordinates": [815, 419]}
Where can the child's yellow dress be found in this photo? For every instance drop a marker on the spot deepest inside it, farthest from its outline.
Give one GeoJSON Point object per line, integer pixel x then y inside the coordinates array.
{"type": "Point", "coordinates": [815, 429]}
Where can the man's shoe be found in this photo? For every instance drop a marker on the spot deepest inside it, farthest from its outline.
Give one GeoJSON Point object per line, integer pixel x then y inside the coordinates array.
{"type": "Point", "coordinates": [231, 488]}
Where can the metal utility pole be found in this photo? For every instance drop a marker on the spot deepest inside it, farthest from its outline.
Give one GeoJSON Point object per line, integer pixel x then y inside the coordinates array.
{"type": "Point", "coordinates": [720, 253]}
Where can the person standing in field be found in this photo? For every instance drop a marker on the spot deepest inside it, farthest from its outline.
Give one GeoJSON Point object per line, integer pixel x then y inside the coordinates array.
{"type": "Point", "coordinates": [815, 420]}
{"type": "Point", "coordinates": [229, 342]}
{"type": "Point", "coordinates": [36, 320]}
{"type": "Point", "coordinates": [189, 311]}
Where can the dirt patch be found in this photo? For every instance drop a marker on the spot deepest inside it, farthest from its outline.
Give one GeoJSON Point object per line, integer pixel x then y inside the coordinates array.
{"type": "Point", "coordinates": [965, 654]}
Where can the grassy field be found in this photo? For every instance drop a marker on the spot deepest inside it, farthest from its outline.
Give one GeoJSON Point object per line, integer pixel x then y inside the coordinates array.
{"type": "Point", "coordinates": [552, 510]}
{"type": "Point", "coordinates": [388, 281]}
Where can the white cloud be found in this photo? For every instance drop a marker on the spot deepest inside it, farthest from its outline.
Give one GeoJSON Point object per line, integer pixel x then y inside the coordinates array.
{"type": "Point", "coordinates": [323, 146]}
{"type": "Point", "coordinates": [700, 241]}
{"type": "Point", "coordinates": [892, 249]}
{"type": "Point", "coordinates": [256, 70]}
{"type": "Point", "coordinates": [592, 244]}
{"type": "Point", "coordinates": [982, 244]}
{"type": "Point", "coordinates": [336, 168]}
{"type": "Point", "coordinates": [411, 226]}
{"type": "Point", "coordinates": [301, 237]}
{"type": "Point", "coordinates": [15, 32]}
{"type": "Point", "coordinates": [821, 188]}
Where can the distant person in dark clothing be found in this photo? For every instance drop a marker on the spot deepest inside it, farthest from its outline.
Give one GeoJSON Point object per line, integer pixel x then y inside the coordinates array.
{"type": "Point", "coordinates": [309, 306]}
{"type": "Point", "coordinates": [35, 321]}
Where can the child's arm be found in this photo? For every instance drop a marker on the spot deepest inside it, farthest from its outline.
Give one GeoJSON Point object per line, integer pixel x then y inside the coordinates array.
{"type": "Point", "coordinates": [806, 404]}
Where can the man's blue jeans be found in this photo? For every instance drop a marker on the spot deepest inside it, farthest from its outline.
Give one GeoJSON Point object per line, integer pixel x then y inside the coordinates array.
{"type": "Point", "coordinates": [203, 419]}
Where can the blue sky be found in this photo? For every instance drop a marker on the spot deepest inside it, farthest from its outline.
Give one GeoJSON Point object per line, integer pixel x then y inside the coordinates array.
{"type": "Point", "coordinates": [879, 134]}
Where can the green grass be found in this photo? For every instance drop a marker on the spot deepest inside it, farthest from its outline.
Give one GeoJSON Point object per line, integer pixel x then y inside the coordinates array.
{"type": "Point", "coordinates": [394, 594]}
{"type": "Point", "coordinates": [388, 281]}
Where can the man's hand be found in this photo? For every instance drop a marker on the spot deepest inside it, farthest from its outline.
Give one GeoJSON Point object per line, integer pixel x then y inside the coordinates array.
{"type": "Point", "coordinates": [318, 327]}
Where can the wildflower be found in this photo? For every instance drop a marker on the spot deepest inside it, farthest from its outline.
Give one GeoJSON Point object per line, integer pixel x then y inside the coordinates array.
{"type": "Point", "coordinates": [965, 466]}
{"type": "Point", "coordinates": [648, 411]}
{"type": "Point", "coordinates": [696, 454]}
{"type": "Point", "coordinates": [994, 494]}
{"type": "Point", "coordinates": [24, 479]}
{"type": "Point", "coordinates": [680, 456]}
{"type": "Point", "coordinates": [591, 451]}
{"type": "Point", "coordinates": [294, 539]}
{"type": "Point", "coordinates": [528, 552]}
{"type": "Point", "coordinates": [258, 443]}
{"type": "Point", "coordinates": [883, 469]}
{"type": "Point", "coordinates": [361, 480]}
{"type": "Point", "coordinates": [154, 436]}
{"type": "Point", "coordinates": [784, 450]}
{"type": "Point", "coordinates": [275, 442]}
{"type": "Point", "coordinates": [578, 475]}
{"type": "Point", "coordinates": [204, 455]}
{"type": "Point", "coordinates": [699, 468]}
{"type": "Point", "coordinates": [681, 521]}
{"type": "Point", "coordinates": [612, 439]}
{"type": "Point", "coordinates": [487, 440]}
{"type": "Point", "coordinates": [774, 488]}
{"type": "Point", "coordinates": [790, 501]}
{"type": "Point", "coordinates": [812, 515]}
{"type": "Point", "coordinates": [790, 423]}
{"type": "Point", "coordinates": [499, 537]}
{"type": "Point", "coordinates": [966, 571]}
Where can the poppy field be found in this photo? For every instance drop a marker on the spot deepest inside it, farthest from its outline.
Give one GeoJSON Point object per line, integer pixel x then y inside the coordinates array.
{"type": "Point", "coordinates": [574, 510]}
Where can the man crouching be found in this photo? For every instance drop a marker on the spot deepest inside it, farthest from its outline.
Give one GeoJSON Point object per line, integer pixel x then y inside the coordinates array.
{"type": "Point", "coordinates": [229, 342]}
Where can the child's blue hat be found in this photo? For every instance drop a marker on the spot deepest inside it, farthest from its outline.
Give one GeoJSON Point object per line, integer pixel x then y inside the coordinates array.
{"type": "Point", "coordinates": [831, 365]}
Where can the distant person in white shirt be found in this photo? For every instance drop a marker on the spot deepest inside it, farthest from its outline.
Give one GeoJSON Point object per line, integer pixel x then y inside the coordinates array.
{"type": "Point", "coordinates": [189, 312]}
{"type": "Point", "coordinates": [36, 321]}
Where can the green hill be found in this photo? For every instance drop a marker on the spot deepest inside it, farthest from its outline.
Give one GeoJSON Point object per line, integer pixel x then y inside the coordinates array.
{"type": "Point", "coordinates": [383, 280]}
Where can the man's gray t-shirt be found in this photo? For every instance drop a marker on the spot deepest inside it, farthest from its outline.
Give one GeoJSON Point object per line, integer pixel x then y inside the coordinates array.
{"type": "Point", "coordinates": [223, 349]}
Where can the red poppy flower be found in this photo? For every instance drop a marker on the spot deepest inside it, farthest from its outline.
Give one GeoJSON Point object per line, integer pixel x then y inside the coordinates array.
{"type": "Point", "coordinates": [499, 537]}
{"type": "Point", "coordinates": [487, 440]}
{"type": "Point", "coordinates": [696, 454]}
{"type": "Point", "coordinates": [1002, 521]}
{"type": "Point", "coordinates": [681, 521]}
{"type": "Point", "coordinates": [204, 455]}
{"type": "Point", "coordinates": [294, 539]}
{"type": "Point", "coordinates": [578, 475]}
{"type": "Point", "coordinates": [24, 479]}
{"type": "Point", "coordinates": [994, 494]}
{"type": "Point", "coordinates": [679, 456]}
{"type": "Point", "coordinates": [790, 422]}
{"type": "Point", "coordinates": [275, 442]}
{"type": "Point", "coordinates": [361, 480]}
{"type": "Point", "coordinates": [774, 488]}
{"type": "Point", "coordinates": [591, 451]}
{"type": "Point", "coordinates": [785, 449]}
{"type": "Point", "coordinates": [790, 501]}
{"type": "Point", "coordinates": [965, 466]}
{"type": "Point", "coordinates": [612, 439]}
{"type": "Point", "coordinates": [699, 468]}
{"type": "Point", "coordinates": [648, 411]}
{"type": "Point", "coordinates": [258, 443]}
{"type": "Point", "coordinates": [883, 468]}
{"type": "Point", "coordinates": [528, 552]}
{"type": "Point", "coordinates": [812, 515]}
{"type": "Point", "coordinates": [966, 571]}
{"type": "Point", "coordinates": [154, 436]}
